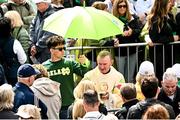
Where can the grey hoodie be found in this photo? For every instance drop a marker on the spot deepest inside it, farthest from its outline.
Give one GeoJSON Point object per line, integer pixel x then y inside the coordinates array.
{"type": "Point", "coordinates": [48, 92]}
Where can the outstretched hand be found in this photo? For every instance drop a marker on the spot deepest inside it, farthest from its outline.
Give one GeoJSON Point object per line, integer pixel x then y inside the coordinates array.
{"type": "Point", "coordinates": [33, 50]}
{"type": "Point", "coordinates": [116, 42]}
{"type": "Point", "coordinates": [82, 59]}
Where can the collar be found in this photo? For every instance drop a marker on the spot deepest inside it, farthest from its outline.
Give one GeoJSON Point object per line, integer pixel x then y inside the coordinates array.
{"type": "Point", "coordinates": [22, 86]}
{"type": "Point", "coordinates": [131, 102]}
{"type": "Point", "coordinates": [93, 113]}
{"type": "Point", "coordinates": [108, 71]}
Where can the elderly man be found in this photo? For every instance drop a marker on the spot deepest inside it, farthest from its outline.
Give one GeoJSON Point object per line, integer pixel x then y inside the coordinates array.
{"type": "Point", "coordinates": [170, 92]}
{"type": "Point", "coordinates": [23, 7]}
{"type": "Point", "coordinates": [38, 37]}
{"type": "Point", "coordinates": [23, 94]}
{"type": "Point", "coordinates": [176, 68]}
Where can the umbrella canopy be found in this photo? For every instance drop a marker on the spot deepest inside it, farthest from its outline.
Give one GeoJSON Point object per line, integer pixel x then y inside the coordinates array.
{"type": "Point", "coordinates": [83, 22]}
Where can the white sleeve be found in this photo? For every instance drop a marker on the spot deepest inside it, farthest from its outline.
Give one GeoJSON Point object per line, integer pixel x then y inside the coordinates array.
{"type": "Point", "coordinates": [147, 38]}
{"type": "Point", "coordinates": [18, 49]}
{"type": "Point", "coordinates": [131, 8]}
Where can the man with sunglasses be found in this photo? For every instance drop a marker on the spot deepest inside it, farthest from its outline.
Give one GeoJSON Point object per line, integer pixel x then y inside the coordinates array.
{"type": "Point", "coordinates": [62, 70]}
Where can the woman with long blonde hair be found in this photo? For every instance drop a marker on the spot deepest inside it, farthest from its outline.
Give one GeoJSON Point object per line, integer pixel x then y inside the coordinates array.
{"type": "Point", "coordinates": [78, 110]}
{"type": "Point", "coordinates": [6, 102]}
{"type": "Point", "coordinates": [82, 87]}
{"type": "Point", "coordinates": [18, 30]}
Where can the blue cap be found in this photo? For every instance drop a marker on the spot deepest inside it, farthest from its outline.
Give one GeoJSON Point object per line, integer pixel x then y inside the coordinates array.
{"type": "Point", "coordinates": [26, 70]}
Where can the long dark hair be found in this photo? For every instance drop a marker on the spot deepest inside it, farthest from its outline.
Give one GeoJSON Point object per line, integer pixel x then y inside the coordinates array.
{"type": "Point", "coordinates": [158, 11]}
{"type": "Point", "coordinates": [5, 28]}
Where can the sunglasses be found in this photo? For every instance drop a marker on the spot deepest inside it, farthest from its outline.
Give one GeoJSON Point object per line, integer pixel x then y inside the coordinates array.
{"type": "Point", "coordinates": [60, 49]}
{"type": "Point", "coordinates": [122, 6]}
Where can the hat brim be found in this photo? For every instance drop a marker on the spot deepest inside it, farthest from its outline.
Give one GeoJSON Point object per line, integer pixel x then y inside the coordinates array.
{"type": "Point", "coordinates": [23, 114]}
{"type": "Point", "coordinates": [37, 72]}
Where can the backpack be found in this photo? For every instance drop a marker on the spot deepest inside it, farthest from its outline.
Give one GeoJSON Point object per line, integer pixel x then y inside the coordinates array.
{"type": "Point", "coordinates": [2, 75]}
{"type": "Point", "coordinates": [8, 6]}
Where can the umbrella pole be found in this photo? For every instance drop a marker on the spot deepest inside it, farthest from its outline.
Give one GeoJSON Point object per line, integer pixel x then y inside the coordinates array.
{"type": "Point", "coordinates": [84, 3]}
{"type": "Point", "coordinates": [82, 46]}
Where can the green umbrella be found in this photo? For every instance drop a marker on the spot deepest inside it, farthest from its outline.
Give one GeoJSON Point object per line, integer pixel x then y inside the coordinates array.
{"type": "Point", "coordinates": [3, 1]}
{"type": "Point", "coordinates": [84, 23]}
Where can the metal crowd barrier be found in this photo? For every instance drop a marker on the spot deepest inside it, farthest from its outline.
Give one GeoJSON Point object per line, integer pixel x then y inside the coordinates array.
{"type": "Point", "coordinates": [137, 45]}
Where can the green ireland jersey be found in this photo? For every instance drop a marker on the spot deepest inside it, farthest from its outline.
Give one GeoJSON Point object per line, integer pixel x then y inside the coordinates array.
{"type": "Point", "coordinates": [62, 72]}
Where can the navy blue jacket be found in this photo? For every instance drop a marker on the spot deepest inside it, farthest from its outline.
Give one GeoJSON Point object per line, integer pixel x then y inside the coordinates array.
{"type": "Point", "coordinates": [24, 95]}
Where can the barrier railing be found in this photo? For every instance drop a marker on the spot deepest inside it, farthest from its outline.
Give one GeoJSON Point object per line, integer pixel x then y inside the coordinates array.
{"type": "Point", "coordinates": [137, 45]}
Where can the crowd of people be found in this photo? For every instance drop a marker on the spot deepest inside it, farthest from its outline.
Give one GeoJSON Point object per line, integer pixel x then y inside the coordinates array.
{"type": "Point", "coordinates": [37, 80]}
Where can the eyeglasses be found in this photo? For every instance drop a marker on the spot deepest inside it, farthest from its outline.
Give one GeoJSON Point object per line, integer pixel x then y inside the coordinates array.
{"type": "Point", "coordinates": [60, 48]}
{"type": "Point", "coordinates": [122, 6]}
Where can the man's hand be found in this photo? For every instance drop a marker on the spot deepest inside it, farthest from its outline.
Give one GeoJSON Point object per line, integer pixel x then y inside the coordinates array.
{"type": "Point", "coordinates": [128, 32]}
{"type": "Point", "coordinates": [176, 38]}
{"type": "Point", "coordinates": [148, 40]}
{"type": "Point", "coordinates": [82, 59]}
{"type": "Point", "coordinates": [33, 50]}
{"type": "Point", "coordinates": [116, 42]}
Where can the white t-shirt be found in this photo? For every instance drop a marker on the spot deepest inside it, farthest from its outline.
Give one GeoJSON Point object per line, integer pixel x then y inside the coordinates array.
{"type": "Point", "coordinates": [18, 49]}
